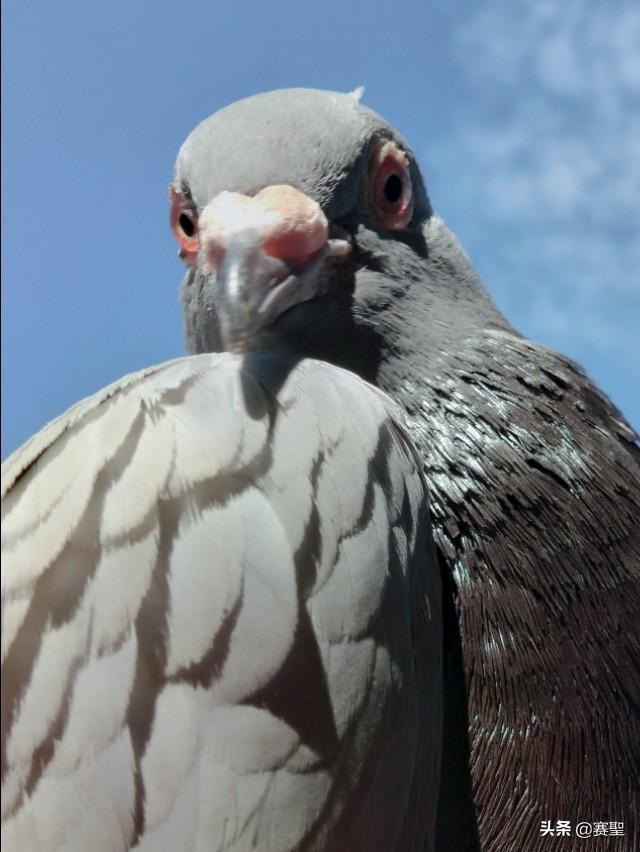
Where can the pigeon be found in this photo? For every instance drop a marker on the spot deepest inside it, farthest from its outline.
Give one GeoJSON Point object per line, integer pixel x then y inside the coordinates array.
{"type": "Point", "coordinates": [221, 598]}
{"type": "Point", "coordinates": [534, 476]}
{"type": "Point", "coordinates": [308, 236]}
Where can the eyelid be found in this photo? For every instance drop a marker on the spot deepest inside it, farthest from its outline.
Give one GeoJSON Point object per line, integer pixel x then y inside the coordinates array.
{"type": "Point", "coordinates": [388, 158]}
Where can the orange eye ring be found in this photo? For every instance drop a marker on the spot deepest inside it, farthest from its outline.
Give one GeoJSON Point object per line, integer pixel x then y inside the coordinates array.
{"type": "Point", "coordinates": [184, 224]}
{"type": "Point", "coordinates": [390, 187]}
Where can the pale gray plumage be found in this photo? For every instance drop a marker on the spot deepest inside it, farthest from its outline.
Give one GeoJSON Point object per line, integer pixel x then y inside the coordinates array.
{"type": "Point", "coordinates": [220, 618]}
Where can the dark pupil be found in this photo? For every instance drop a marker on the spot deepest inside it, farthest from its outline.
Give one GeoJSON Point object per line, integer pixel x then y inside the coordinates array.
{"type": "Point", "coordinates": [393, 189]}
{"type": "Point", "coordinates": [186, 223]}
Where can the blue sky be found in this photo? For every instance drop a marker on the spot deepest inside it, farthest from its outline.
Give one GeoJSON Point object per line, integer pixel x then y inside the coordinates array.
{"type": "Point", "coordinates": [525, 118]}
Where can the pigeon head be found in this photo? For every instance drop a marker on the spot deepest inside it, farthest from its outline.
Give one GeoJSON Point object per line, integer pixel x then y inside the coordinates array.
{"type": "Point", "coordinates": [305, 224]}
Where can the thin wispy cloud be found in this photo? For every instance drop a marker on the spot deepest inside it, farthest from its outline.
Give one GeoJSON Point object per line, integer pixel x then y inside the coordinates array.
{"type": "Point", "coordinates": [547, 146]}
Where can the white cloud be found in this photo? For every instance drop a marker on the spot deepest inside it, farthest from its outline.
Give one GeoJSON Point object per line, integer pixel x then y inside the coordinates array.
{"type": "Point", "coordinates": [550, 147]}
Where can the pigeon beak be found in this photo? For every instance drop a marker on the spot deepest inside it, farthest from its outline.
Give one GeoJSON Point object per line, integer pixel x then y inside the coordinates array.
{"type": "Point", "coordinates": [265, 254]}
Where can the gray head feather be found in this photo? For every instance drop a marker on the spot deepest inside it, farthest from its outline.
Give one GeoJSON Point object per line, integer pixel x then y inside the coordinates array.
{"type": "Point", "coordinates": [313, 140]}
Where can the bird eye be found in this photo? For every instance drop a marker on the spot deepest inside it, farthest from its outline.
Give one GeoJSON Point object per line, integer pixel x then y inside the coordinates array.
{"type": "Point", "coordinates": [393, 188]}
{"type": "Point", "coordinates": [390, 187]}
{"type": "Point", "coordinates": [185, 220]}
{"type": "Point", "coordinates": [184, 224]}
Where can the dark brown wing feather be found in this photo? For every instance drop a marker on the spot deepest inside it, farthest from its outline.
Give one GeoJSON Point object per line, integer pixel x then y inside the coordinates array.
{"type": "Point", "coordinates": [535, 481]}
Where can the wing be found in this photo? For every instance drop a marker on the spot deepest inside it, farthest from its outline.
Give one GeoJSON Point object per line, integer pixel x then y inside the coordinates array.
{"type": "Point", "coordinates": [221, 618]}
{"type": "Point", "coordinates": [535, 483]}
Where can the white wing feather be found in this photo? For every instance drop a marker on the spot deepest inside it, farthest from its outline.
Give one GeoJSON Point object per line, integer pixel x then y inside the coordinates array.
{"type": "Point", "coordinates": [221, 624]}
